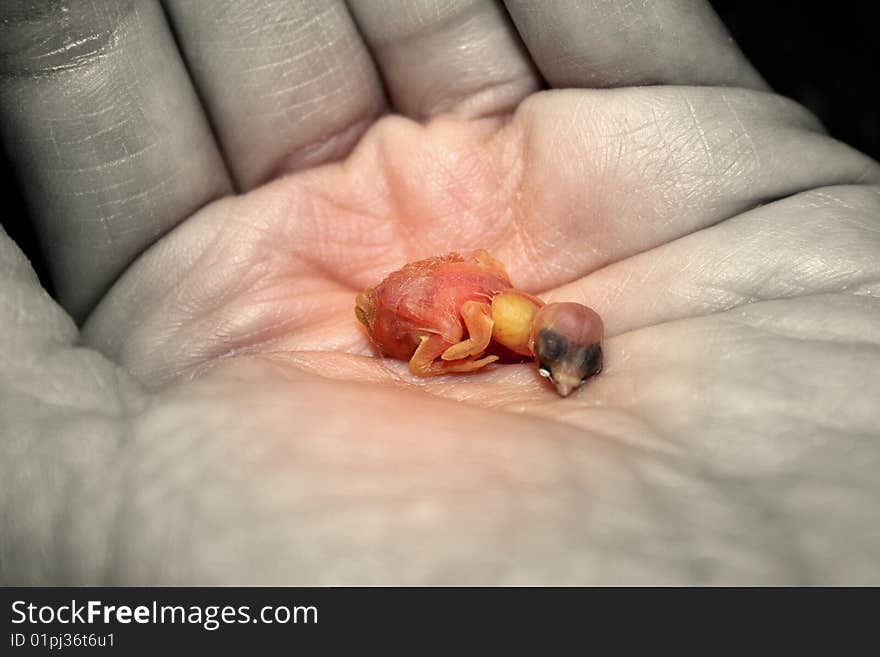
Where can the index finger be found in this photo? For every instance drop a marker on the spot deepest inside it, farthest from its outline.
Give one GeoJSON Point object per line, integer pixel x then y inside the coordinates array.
{"type": "Point", "coordinates": [105, 132]}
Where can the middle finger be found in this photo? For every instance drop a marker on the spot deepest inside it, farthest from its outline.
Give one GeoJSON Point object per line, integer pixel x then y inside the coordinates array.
{"type": "Point", "coordinates": [462, 56]}
{"type": "Point", "coordinates": [288, 85]}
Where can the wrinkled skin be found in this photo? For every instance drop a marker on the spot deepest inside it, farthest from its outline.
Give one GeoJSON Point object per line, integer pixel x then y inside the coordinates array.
{"type": "Point", "coordinates": [222, 419]}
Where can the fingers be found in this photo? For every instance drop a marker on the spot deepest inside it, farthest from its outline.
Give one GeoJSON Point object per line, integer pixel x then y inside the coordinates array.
{"type": "Point", "coordinates": [614, 44]}
{"type": "Point", "coordinates": [819, 242]}
{"type": "Point", "coordinates": [462, 56]}
{"type": "Point", "coordinates": [288, 85]}
{"type": "Point", "coordinates": [106, 134]}
{"type": "Point", "coordinates": [612, 173]}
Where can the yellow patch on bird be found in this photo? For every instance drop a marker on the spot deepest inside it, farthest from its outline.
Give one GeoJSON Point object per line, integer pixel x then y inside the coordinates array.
{"type": "Point", "coordinates": [512, 315]}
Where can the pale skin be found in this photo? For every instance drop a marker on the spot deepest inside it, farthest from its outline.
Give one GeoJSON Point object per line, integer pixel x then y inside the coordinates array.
{"type": "Point", "coordinates": [221, 417]}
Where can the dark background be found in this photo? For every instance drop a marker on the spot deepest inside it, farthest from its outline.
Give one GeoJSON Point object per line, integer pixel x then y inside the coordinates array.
{"type": "Point", "coordinates": [825, 56]}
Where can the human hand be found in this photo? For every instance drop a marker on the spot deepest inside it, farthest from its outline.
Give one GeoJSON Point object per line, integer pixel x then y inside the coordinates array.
{"type": "Point", "coordinates": [241, 429]}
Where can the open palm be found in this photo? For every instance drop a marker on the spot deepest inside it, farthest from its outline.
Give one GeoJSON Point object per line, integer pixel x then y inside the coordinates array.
{"type": "Point", "coordinates": [239, 427]}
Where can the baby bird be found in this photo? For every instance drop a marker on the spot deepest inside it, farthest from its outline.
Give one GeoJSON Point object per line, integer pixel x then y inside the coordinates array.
{"type": "Point", "coordinates": [444, 314]}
